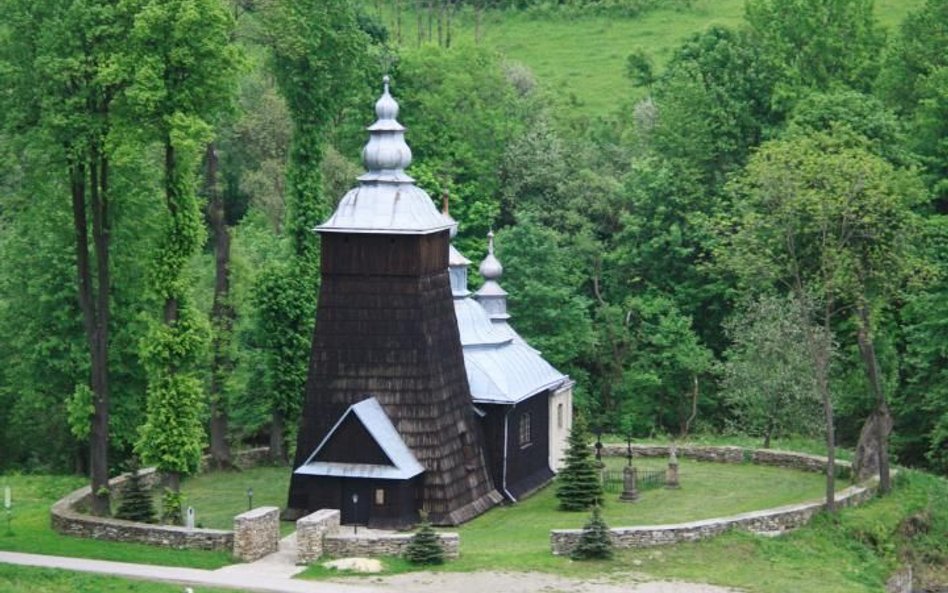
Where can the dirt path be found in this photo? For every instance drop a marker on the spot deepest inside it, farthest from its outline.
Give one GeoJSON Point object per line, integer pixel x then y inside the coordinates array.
{"type": "Point", "coordinates": [530, 582]}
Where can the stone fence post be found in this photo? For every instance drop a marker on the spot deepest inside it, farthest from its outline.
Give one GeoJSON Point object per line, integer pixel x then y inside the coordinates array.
{"type": "Point", "coordinates": [310, 531]}
{"type": "Point", "coordinates": [256, 533]}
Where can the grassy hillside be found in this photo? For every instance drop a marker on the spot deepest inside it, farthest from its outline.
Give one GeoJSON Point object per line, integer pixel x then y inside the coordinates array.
{"type": "Point", "coordinates": [584, 58]}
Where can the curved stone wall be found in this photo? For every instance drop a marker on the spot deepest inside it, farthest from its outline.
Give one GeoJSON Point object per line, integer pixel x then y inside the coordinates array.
{"type": "Point", "coordinates": [67, 519]}
{"type": "Point", "coordinates": [562, 541]}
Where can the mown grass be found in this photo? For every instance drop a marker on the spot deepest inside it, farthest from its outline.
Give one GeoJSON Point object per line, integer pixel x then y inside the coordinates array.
{"type": "Point", "coordinates": [853, 552]}
{"type": "Point", "coordinates": [517, 537]}
{"type": "Point", "coordinates": [31, 532]}
{"type": "Point", "coordinates": [583, 57]}
{"type": "Point", "coordinates": [217, 497]}
{"type": "Point", "coordinates": [20, 579]}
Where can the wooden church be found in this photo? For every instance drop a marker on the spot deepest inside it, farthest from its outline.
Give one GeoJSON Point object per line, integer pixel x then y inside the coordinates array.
{"type": "Point", "coordinates": [419, 396]}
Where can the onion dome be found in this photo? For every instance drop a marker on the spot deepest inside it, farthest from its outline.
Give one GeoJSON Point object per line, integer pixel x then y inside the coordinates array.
{"type": "Point", "coordinates": [386, 201]}
{"type": "Point", "coordinates": [491, 296]}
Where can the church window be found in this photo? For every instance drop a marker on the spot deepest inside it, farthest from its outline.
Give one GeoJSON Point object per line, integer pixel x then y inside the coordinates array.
{"type": "Point", "coordinates": [559, 415]}
{"type": "Point", "coordinates": [525, 438]}
{"type": "Point", "coordinates": [379, 496]}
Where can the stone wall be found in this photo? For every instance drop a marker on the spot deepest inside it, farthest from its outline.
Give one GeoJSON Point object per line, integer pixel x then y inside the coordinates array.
{"type": "Point", "coordinates": [562, 541]}
{"type": "Point", "coordinates": [344, 545]}
{"type": "Point", "coordinates": [900, 582]}
{"type": "Point", "coordinates": [310, 531]}
{"type": "Point", "coordinates": [778, 519]}
{"type": "Point", "coordinates": [724, 454]}
{"type": "Point", "coordinates": [66, 516]}
{"type": "Point", "coordinates": [256, 533]}
{"type": "Point", "coordinates": [68, 521]}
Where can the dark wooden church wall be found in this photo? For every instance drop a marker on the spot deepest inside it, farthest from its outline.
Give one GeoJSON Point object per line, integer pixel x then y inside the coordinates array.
{"type": "Point", "coordinates": [528, 467]}
{"type": "Point", "coordinates": [401, 499]}
{"type": "Point", "coordinates": [391, 332]}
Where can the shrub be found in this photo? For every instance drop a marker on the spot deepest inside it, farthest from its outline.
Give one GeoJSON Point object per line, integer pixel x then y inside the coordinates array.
{"type": "Point", "coordinates": [136, 502]}
{"type": "Point", "coordinates": [595, 543]}
{"type": "Point", "coordinates": [425, 547]}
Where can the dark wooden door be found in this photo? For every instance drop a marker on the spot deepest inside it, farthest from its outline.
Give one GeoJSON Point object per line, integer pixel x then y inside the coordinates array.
{"type": "Point", "coordinates": [355, 511]}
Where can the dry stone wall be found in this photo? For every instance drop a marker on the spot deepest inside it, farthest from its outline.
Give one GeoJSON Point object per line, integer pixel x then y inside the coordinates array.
{"type": "Point", "coordinates": [66, 516]}
{"type": "Point", "coordinates": [310, 531]}
{"type": "Point", "coordinates": [68, 521]}
{"type": "Point", "coordinates": [256, 533]}
{"type": "Point", "coordinates": [562, 541]}
{"type": "Point", "coordinates": [344, 545]}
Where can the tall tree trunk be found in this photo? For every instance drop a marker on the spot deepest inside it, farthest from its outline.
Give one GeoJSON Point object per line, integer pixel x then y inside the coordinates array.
{"type": "Point", "coordinates": [867, 351]}
{"type": "Point", "coordinates": [94, 303]}
{"type": "Point", "coordinates": [441, 24]}
{"type": "Point", "coordinates": [447, 33]}
{"type": "Point", "coordinates": [478, 13]}
{"type": "Point", "coordinates": [822, 359]}
{"type": "Point", "coordinates": [277, 437]}
{"type": "Point", "coordinates": [430, 18]}
{"type": "Point", "coordinates": [419, 21]}
{"type": "Point", "coordinates": [222, 316]}
{"type": "Point", "coordinates": [171, 302]}
{"type": "Point", "coordinates": [398, 21]}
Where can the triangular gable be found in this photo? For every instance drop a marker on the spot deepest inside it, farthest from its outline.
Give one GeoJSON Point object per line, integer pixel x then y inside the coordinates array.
{"type": "Point", "coordinates": [383, 454]}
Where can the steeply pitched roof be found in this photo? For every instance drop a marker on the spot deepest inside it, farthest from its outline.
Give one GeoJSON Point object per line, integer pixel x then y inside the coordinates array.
{"type": "Point", "coordinates": [373, 417]}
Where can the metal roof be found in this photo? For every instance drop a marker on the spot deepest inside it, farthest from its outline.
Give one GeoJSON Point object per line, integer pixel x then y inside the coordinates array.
{"type": "Point", "coordinates": [501, 367]}
{"type": "Point", "coordinates": [386, 201]}
{"type": "Point", "coordinates": [373, 417]}
{"type": "Point", "coordinates": [508, 374]}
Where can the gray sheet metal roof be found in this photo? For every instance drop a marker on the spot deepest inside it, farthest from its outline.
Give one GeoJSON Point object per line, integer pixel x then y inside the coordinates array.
{"type": "Point", "coordinates": [387, 201]}
{"type": "Point", "coordinates": [508, 374]}
{"type": "Point", "coordinates": [501, 367]}
{"type": "Point", "coordinates": [373, 417]}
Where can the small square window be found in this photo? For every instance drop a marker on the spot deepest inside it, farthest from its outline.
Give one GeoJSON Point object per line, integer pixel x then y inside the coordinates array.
{"type": "Point", "coordinates": [379, 496]}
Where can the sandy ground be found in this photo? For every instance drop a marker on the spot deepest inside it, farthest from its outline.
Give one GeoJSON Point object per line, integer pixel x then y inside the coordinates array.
{"type": "Point", "coordinates": [531, 582]}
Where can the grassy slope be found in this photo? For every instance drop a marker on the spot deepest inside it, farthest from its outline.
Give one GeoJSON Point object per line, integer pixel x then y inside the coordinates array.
{"type": "Point", "coordinates": [32, 498]}
{"type": "Point", "coordinates": [218, 497]}
{"type": "Point", "coordinates": [585, 57]}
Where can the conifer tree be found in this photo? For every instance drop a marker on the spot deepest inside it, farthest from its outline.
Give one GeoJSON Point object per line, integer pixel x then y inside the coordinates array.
{"type": "Point", "coordinates": [424, 547]}
{"type": "Point", "coordinates": [136, 502]}
{"type": "Point", "coordinates": [578, 486]}
{"type": "Point", "coordinates": [594, 544]}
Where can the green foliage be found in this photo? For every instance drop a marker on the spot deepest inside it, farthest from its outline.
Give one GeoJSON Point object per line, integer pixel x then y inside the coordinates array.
{"type": "Point", "coordinates": [578, 487]}
{"type": "Point", "coordinates": [816, 44]}
{"type": "Point", "coordinates": [172, 507]}
{"type": "Point", "coordinates": [595, 542]}
{"type": "Point", "coordinates": [461, 112]}
{"type": "Point", "coordinates": [424, 547]}
{"type": "Point", "coordinates": [768, 378]}
{"type": "Point", "coordinates": [136, 503]}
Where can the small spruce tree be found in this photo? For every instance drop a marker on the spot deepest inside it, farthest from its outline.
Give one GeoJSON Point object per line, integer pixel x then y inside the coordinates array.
{"type": "Point", "coordinates": [424, 547]}
{"type": "Point", "coordinates": [578, 486]}
{"type": "Point", "coordinates": [136, 502]}
{"type": "Point", "coordinates": [594, 543]}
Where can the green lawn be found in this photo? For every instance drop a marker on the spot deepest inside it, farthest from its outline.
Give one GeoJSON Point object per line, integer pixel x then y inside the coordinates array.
{"type": "Point", "coordinates": [32, 498]}
{"type": "Point", "coordinates": [584, 58]}
{"type": "Point", "coordinates": [707, 490]}
{"type": "Point", "coordinates": [18, 579]}
{"type": "Point", "coordinates": [218, 497]}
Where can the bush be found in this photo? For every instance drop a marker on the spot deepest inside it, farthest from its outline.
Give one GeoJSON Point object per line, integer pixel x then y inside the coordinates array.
{"type": "Point", "coordinates": [595, 543]}
{"type": "Point", "coordinates": [136, 502]}
{"type": "Point", "coordinates": [171, 506]}
{"type": "Point", "coordinates": [425, 547]}
{"type": "Point", "coordinates": [578, 486]}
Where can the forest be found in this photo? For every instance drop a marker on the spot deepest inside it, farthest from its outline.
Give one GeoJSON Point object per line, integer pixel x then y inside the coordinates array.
{"type": "Point", "coordinates": [752, 239]}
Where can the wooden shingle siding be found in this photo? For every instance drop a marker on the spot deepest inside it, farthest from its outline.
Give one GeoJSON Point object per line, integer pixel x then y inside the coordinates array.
{"type": "Point", "coordinates": [385, 327]}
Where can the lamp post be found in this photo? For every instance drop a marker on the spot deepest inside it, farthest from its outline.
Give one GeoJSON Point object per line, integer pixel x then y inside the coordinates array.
{"type": "Point", "coordinates": [249, 499]}
{"type": "Point", "coordinates": [355, 513]}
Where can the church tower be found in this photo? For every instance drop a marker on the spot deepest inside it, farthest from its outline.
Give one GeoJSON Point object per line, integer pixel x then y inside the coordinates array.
{"type": "Point", "coordinates": [387, 427]}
